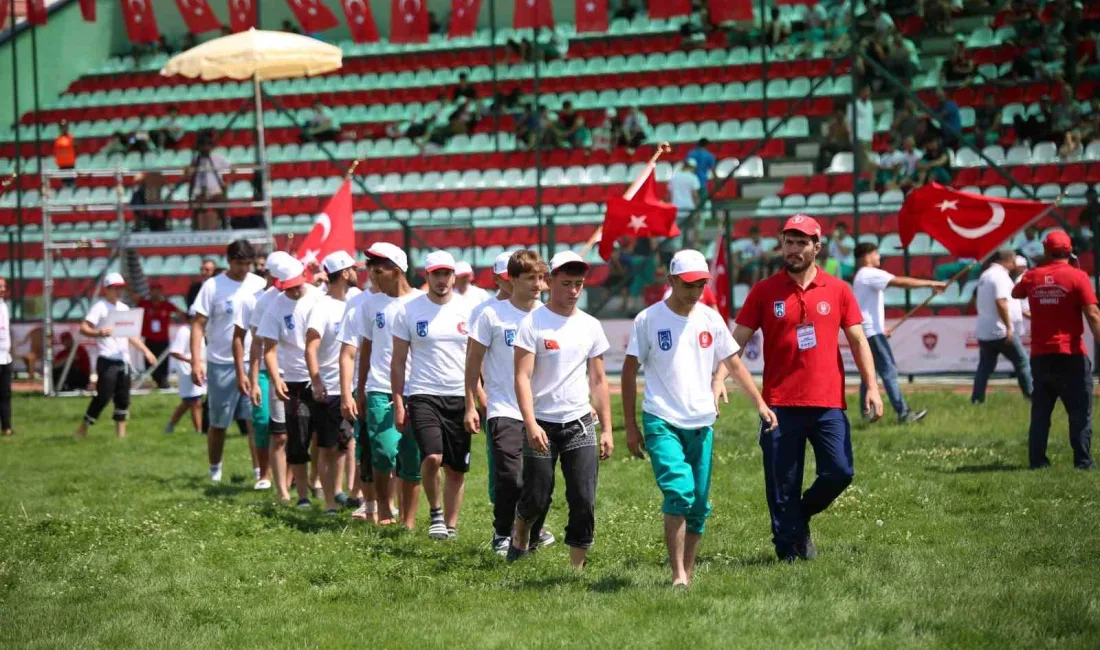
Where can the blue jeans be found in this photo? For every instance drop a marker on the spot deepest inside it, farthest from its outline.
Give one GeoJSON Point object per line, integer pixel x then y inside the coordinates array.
{"type": "Point", "coordinates": [987, 363]}
{"type": "Point", "coordinates": [785, 461]}
{"type": "Point", "coordinates": [886, 368]}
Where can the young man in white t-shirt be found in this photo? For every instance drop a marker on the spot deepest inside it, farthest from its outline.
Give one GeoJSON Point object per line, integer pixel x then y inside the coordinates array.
{"type": "Point", "coordinates": [555, 347]}
{"type": "Point", "coordinates": [465, 287]}
{"type": "Point", "coordinates": [369, 333]}
{"type": "Point", "coordinates": [212, 320]}
{"type": "Point", "coordinates": [432, 329]}
{"type": "Point", "coordinates": [681, 343]}
{"type": "Point", "coordinates": [112, 365]}
{"type": "Point", "coordinates": [284, 332]}
{"type": "Point", "coordinates": [190, 394]}
{"type": "Point", "coordinates": [994, 329]}
{"type": "Point", "coordinates": [869, 286]}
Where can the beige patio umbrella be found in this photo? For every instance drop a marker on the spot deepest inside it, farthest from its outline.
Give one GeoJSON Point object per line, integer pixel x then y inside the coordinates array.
{"type": "Point", "coordinates": [261, 56]}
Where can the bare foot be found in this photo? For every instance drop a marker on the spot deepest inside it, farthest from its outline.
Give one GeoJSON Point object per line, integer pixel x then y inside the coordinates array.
{"type": "Point", "coordinates": [8, 433]}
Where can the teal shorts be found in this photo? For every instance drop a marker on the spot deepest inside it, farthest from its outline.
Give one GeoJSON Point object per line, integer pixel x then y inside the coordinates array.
{"type": "Point", "coordinates": [261, 415]}
{"type": "Point", "coordinates": [389, 449]}
{"type": "Point", "coordinates": [681, 463]}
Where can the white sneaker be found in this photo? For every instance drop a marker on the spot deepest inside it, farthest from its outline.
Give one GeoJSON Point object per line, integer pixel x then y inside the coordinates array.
{"type": "Point", "coordinates": [216, 473]}
{"type": "Point", "coordinates": [360, 512]}
{"type": "Point", "coordinates": [262, 484]}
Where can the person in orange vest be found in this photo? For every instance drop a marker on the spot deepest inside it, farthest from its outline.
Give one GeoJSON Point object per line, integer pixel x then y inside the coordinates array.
{"type": "Point", "coordinates": [64, 150]}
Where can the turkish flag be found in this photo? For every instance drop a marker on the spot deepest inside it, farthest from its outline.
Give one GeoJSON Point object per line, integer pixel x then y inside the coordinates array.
{"type": "Point", "coordinates": [36, 12]}
{"type": "Point", "coordinates": [529, 14]}
{"type": "Point", "coordinates": [312, 15]}
{"type": "Point", "coordinates": [360, 21]}
{"type": "Point", "coordinates": [642, 216]}
{"type": "Point", "coordinates": [968, 225]}
{"type": "Point", "coordinates": [242, 15]}
{"type": "Point", "coordinates": [141, 22]}
{"type": "Point", "coordinates": [87, 10]}
{"type": "Point", "coordinates": [198, 16]}
{"type": "Point", "coordinates": [408, 21]}
{"type": "Point", "coordinates": [464, 15]}
{"type": "Point", "coordinates": [591, 15]}
{"type": "Point", "coordinates": [332, 231]}
{"type": "Point", "coordinates": [3, 13]}
{"type": "Point", "coordinates": [669, 8]}
{"type": "Point", "coordinates": [722, 11]}
{"type": "Point", "coordinates": [720, 283]}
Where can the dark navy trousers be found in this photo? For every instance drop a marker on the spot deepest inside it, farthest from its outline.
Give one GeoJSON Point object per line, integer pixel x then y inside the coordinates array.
{"type": "Point", "coordinates": [828, 431]}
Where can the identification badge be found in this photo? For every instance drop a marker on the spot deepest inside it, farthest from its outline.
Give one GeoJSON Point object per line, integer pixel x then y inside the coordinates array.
{"type": "Point", "coordinates": [807, 338]}
{"type": "Point", "coordinates": [155, 326]}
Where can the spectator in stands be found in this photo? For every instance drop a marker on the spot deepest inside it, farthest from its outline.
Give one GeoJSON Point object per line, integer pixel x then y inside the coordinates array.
{"type": "Point", "coordinates": [880, 21]}
{"type": "Point", "coordinates": [897, 168]}
{"type": "Point", "coordinates": [779, 29]}
{"type": "Point", "coordinates": [987, 122]}
{"type": "Point", "coordinates": [705, 162]}
{"type": "Point", "coordinates": [837, 139]}
{"type": "Point", "coordinates": [683, 192]}
{"type": "Point", "coordinates": [937, 15]}
{"type": "Point", "coordinates": [159, 314]}
{"type": "Point", "coordinates": [635, 129]}
{"type": "Point", "coordinates": [64, 150]}
{"type": "Point", "coordinates": [567, 129]}
{"type": "Point", "coordinates": [1032, 246]}
{"type": "Point", "coordinates": [322, 126]}
{"type": "Point", "coordinates": [119, 144]}
{"type": "Point", "coordinates": [902, 58]}
{"type": "Point", "coordinates": [1072, 147]}
{"type": "Point", "coordinates": [863, 113]}
{"type": "Point", "coordinates": [148, 192]}
{"type": "Point", "coordinates": [842, 248]}
{"type": "Point", "coordinates": [693, 29]}
{"type": "Point", "coordinates": [80, 371]}
{"type": "Point", "coordinates": [1088, 61]}
{"type": "Point", "coordinates": [934, 165]}
{"type": "Point", "coordinates": [1065, 115]}
{"type": "Point", "coordinates": [208, 183]}
{"type": "Point", "coordinates": [906, 123]}
{"type": "Point", "coordinates": [1035, 127]}
{"type": "Point", "coordinates": [757, 260]}
{"type": "Point", "coordinates": [607, 134]}
{"type": "Point", "coordinates": [950, 129]}
{"type": "Point", "coordinates": [626, 10]}
{"type": "Point", "coordinates": [959, 68]}
{"type": "Point", "coordinates": [171, 130]}
{"type": "Point", "coordinates": [206, 271]}
{"type": "Point", "coordinates": [464, 89]}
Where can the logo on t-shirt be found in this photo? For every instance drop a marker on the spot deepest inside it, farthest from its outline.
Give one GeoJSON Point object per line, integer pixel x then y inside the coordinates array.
{"type": "Point", "coordinates": [229, 306]}
{"type": "Point", "coordinates": [550, 344]}
{"type": "Point", "coordinates": [421, 328]}
{"type": "Point", "coordinates": [664, 339]}
{"type": "Point", "coordinates": [379, 320]}
{"type": "Point", "coordinates": [509, 337]}
{"type": "Point", "coordinates": [705, 340]}
{"type": "Point", "coordinates": [823, 308]}
{"type": "Point", "coordinates": [1048, 279]}
{"type": "Point", "coordinates": [780, 308]}
{"type": "Point", "coordinates": [289, 320]}
{"type": "Point", "coordinates": [462, 328]}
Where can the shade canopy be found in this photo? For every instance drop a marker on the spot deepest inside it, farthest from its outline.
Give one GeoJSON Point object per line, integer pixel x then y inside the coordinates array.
{"type": "Point", "coordinates": [262, 54]}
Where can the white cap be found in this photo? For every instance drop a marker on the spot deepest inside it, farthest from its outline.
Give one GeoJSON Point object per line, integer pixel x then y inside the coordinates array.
{"type": "Point", "coordinates": [337, 261]}
{"type": "Point", "coordinates": [274, 258]}
{"type": "Point", "coordinates": [387, 251]}
{"type": "Point", "coordinates": [500, 264]}
{"type": "Point", "coordinates": [1021, 261]}
{"type": "Point", "coordinates": [565, 257]}
{"type": "Point", "coordinates": [690, 266]}
{"type": "Point", "coordinates": [289, 273]}
{"type": "Point", "coordinates": [439, 260]}
{"type": "Point", "coordinates": [113, 280]}
{"type": "Point", "coordinates": [463, 268]}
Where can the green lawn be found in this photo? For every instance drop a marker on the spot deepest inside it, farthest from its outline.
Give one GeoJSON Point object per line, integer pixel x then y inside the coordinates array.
{"type": "Point", "coordinates": [943, 540]}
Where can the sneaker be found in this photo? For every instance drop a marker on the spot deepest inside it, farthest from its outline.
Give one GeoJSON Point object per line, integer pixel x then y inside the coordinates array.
{"type": "Point", "coordinates": [304, 503]}
{"type": "Point", "coordinates": [452, 533]}
{"type": "Point", "coordinates": [352, 503]}
{"type": "Point", "coordinates": [913, 416]}
{"type": "Point", "coordinates": [515, 553]}
{"type": "Point", "coordinates": [341, 498]}
{"type": "Point", "coordinates": [437, 528]}
{"type": "Point", "coordinates": [546, 538]}
{"type": "Point", "coordinates": [331, 512]}
{"type": "Point", "coordinates": [360, 512]}
{"type": "Point", "coordinates": [805, 548]}
{"type": "Point", "coordinates": [262, 484]}
{"type": "Point", "coordinates": [317, 492]}
{"type": "Point", "coordinates": [169, 428]}
{"type": "Point", "coordinates": [216, 473]}
{"type": "Point", "coordinates": [501, 544]}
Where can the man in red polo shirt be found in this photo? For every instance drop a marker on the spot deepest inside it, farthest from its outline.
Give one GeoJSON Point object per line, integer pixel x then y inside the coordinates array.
{"type": "Point", "coordinates": [801, 311]}
{"type": "Point", "coordinates": [154, 329]}
{"type": "Point", "coordinates": [1059, 293]}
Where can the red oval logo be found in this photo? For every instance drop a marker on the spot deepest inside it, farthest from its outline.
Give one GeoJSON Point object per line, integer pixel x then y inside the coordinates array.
{"type": "Point", "coordinates": [823, 308]}
{"type": "Point", "coordinates": [705, 339]}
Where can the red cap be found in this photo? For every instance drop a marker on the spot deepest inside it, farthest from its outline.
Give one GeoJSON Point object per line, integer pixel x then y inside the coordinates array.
{"type": "Point", "coordinates": [1057, 241]}
{"type": "Point", "coordinates": [803, 224]}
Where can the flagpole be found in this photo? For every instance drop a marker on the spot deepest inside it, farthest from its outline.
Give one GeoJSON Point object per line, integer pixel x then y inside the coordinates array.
{"type": "Point", "coordinates": [351, 170]}
{"type": "Point", "coordinates": [649, 168]}
{"type": "Point", "coordinates": [958, 276]}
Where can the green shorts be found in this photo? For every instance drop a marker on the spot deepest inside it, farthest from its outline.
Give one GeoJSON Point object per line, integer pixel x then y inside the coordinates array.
{"type": "Point", "coordinates": [261, 415]}
{"type": "Point", "coordinates": [681, 463]}
{"type": "Point", "coordinates": [389, 449]}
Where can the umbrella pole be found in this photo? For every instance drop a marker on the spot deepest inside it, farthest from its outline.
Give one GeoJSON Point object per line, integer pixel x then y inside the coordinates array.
{"type": "Point", "coordinates": [261, 158]}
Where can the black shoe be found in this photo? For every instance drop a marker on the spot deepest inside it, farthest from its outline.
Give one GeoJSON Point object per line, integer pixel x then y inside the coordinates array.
{"type": "Point", "coordinates": [805, 548]}
{"type": "Point", "coordinates": [515, 553]}
{"type": "Point", "coordinates": [913, 416]}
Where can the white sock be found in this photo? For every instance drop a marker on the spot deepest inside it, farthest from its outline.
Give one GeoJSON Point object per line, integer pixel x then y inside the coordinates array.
{"type": "Point", "coordinates": [256, 472]}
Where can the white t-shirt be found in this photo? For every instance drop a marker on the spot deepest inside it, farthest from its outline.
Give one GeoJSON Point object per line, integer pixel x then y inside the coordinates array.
{"type": "Point", "coordinates": [260, 306]}
{"type": "Point", "coordinates": [1017, 308]}
{"type": "Point", "coordinates": [475, 295]}
{"type": "Point", "coordinates": [111, 347]}
{"type": "Point", "coordinates": [374, 322]}
{"type": "Point", "coordinates": [349, 329]}
{"type": "Point", "coordinates": [680, 187]}
{"type": "Point", "coordinates": [437, 344]}
{"type": "Point", "coordinates": [865, 120]}
{"type": "Point", "coordinates": [5, 334]}
{"type": "Point", "coordinates": [218, 300]}
{"type": "Point", "coordinates": [868, 286]}
{"type": "Point", "coordinates": [680, 355]}
{"type": "Point", "coordinates": [209, 176]}
{"type": "Point", "coordinates": [285, 323]}
{"type": "Point", "coordinates": [994, 284]}
{"type": "Point", "coordinates": [181, 345]}
{"type": "Point", "coordinates": [495, 327]}
{"type": "Point", "coordinates": [562, 347]}
{"type": "Point", "coordinates": [326, 319]}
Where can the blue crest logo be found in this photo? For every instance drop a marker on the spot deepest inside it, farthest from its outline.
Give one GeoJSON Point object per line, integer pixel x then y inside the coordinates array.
{"type": "Point", "coordinates": [421, 328]}
{"type": "Point", "coordinates": [664, 339]}
{"type": "Point", "coordinates": [780, 308]}
{"type": "Point", "coordinates": [379, 320]}
{"type": "Point", "coordinates": [289, 320]}
{"type": "Point", "coordinates": [229, 306]}
{"type": "Point", "coordinates": [509, 337]}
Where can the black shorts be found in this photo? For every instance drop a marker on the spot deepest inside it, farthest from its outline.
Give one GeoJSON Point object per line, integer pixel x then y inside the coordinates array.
{"type": "Point", "coordinates": [436, 424]}
{"type": "Point", "coordinates": [331, 427]}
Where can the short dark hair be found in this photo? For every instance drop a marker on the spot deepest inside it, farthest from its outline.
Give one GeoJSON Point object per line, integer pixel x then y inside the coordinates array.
{"type": "Point", "coordinates": [841, 224]}
{"type": "Point", "coordinates": [754, 230]}
{"type": "Point", "coordinates": [1004, 255]}
{"type": "Point", "coordinates": [864, 248]}
{"type": "Point", "coordinates": [523, 261]}
{"type": "Point", "coordinates": [703, 142]}
{"type": "Point", "coordinates": [571, 268]}
{"type": "Point", "coordinates": [241, 249]}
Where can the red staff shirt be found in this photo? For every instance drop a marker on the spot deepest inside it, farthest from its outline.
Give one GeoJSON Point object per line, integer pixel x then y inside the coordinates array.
{"type": "Point", "coordinates": [158, 316]}
{"type": "Point", "coordinates": [801, 327]}
{"type": "Point", "coordinates": [1057, 293]}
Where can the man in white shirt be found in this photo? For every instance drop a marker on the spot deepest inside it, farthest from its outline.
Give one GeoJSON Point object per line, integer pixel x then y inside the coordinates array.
{"type": "Point", "coordinates": [681, 343]}
{"type": "Point", "coordinates": [433, 329]}
{"type": "Point", "coordinates": [869, 286]}
{"type": "Point", "coordinates": [334, 432]}
{"type": "Point", "coordinates": [112, 366]}
{"type": "Point", "coordinates": [284, 332]}
{"type": "Point", "coordinates": [1019, 310]}
{"type": "Point", "coordinates": [490, 358]}
{"type": "Point", "coordinates": [212, 320]}
{"type": "Point", "coordinates": [5, 361]}
{"type": "Point", "coordinates": [994, 330]}
{"type": "Point", "coordinates": [369, 333]}
{"type": "Point", "coordinates": [465, 287]}
{"type": "Point", "coordinates": [555, 346]}
{"type": "Point", "coordinates": [683, 192]}
{"type": "Point", "coordinates": [862, 112]}
{"type": "Point", "coordinates": [190, 394]}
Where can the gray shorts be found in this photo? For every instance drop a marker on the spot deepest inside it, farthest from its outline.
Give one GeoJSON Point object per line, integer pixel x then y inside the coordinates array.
{"type": "Point", "coordinates": [276, 409]}
{"type": "Point", "coordinates": [224, 398]}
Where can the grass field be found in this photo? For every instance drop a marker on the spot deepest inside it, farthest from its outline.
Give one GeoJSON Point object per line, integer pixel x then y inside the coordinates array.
{"type": "Point", "coordinates": [944, 540]}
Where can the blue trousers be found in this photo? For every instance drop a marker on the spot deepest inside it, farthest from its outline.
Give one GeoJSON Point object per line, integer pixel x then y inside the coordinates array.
{"type": "Point", "coordinates": [886, 368]}
{"type": "Point", "coordinates": [828, 431]}
{"type": "Point", "coordinates": [987, 363]}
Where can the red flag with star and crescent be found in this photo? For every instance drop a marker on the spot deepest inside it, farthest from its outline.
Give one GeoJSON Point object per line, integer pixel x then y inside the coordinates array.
{"type": "Point", "coordinates": [360, 21]}
{"type": "Point", "coordinates": [242, 15]}
{"type": "Point", "coordinates": [332, 231]}
{"type": "Point", "coordinates": [141, 22]}
{"type": "Point", "coordinates": [591, 15]}
{"type": "Point", "coordinates": [312, 15]}
{"type": "Point", "coordinates": [36, 12]}
{"type": "Point", "coordinates": [968, 225]}
{"type": "Point", "coordinates": [720, 281]}
{"type": "Point", "coordinates": [531, 14]}
{"type": "Point", "coordinates": [464, 15]}
{"type": "Point", "coordinates": [198, 16]}
{"type": "Point", "coordinates": [642, 216]}
{"type": "Point", "coordinates": [408, 21]}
